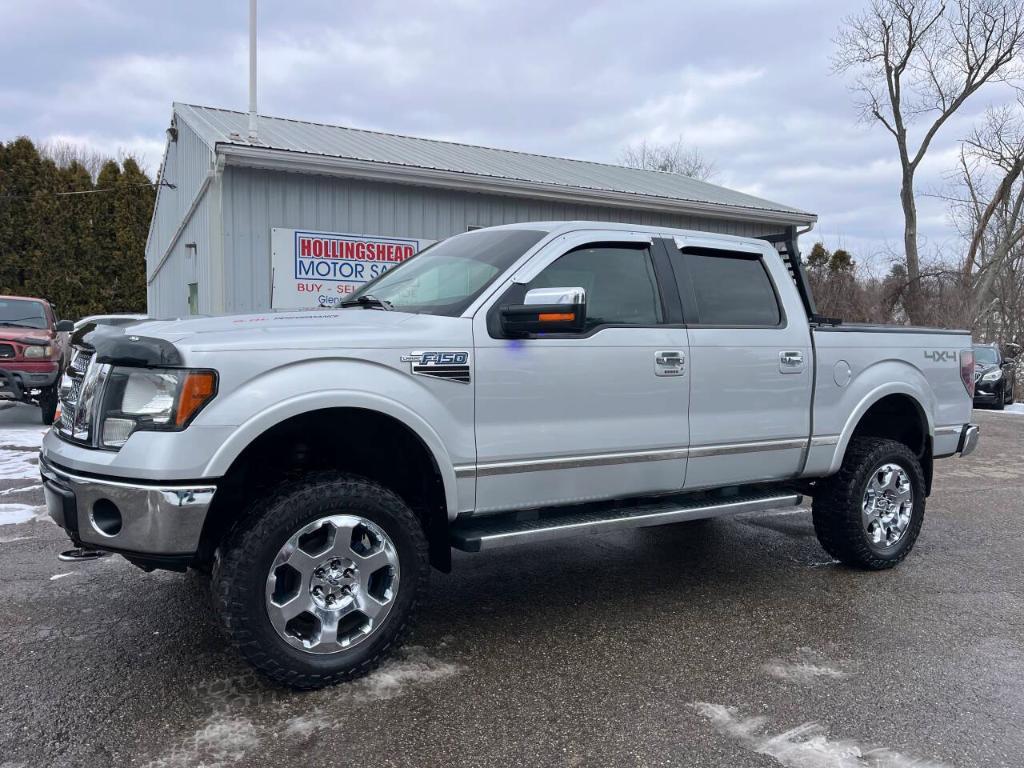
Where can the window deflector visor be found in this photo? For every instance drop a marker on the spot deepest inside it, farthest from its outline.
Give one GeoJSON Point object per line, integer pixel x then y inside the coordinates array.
{"type": "Point", "coordinates": [713, 243]}
{"type": "Point", "coordinates": [558, 248]}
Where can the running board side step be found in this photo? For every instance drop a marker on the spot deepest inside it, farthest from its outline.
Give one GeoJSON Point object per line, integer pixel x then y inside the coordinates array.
{"type": "Point", "coordinates": [478, 534]}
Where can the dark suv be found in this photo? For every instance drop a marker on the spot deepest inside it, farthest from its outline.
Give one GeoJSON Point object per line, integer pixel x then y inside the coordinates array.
{"type": "Point", "coordinates": [994, 377]}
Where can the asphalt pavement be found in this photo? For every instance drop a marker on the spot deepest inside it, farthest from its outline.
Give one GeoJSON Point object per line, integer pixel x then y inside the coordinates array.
{"type": "Point", "coordinates": [733, 643]}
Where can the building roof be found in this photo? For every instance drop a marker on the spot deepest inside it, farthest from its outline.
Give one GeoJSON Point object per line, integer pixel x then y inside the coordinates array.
{"type": "Point", "coordinates": [315, 147]}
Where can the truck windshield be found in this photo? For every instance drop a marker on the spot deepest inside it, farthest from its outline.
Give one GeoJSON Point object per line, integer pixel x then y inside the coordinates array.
{"type": "Point", "coordinates": [22, 313]}
{"type": "Point", "coordinates": [986, 356]}
{"type": "Point", "coordinates": [446, 278]}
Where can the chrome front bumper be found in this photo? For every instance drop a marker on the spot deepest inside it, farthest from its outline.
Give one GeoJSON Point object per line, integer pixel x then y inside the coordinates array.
{"type": "Point", "coordinates": [126, 517]}
{"type": "Point", "coordinates": [969, 439]}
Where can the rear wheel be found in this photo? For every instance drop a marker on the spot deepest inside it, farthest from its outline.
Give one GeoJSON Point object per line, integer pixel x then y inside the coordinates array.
{"type": "Point", "coordinates": [869, 514]}
{"type": "Point", "coordinates": [320, 582]}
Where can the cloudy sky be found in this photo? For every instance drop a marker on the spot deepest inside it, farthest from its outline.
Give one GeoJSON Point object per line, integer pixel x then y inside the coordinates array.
{"type": "Point", "coordinates": [748, 82]}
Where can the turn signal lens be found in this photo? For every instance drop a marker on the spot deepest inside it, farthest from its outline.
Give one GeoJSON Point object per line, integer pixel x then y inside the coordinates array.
{"type": "Point", "coordinates": [967, 369]}
{"type": "Point", "coordinates": [196, 390]}
{"type": "Point", "coordinates": [556, 317]}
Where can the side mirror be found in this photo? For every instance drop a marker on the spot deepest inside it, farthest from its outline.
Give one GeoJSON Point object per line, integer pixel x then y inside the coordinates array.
{"type": "Point", "coordinates": [64, 326]}
{"type": "Point", "coordinates": [546, 310]}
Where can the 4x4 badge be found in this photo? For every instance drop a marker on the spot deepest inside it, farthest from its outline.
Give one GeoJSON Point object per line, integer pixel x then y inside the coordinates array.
{"type": "Point", "coordinates": [450, 365]}
{"type": "Point", "coordinates": [940, 355]}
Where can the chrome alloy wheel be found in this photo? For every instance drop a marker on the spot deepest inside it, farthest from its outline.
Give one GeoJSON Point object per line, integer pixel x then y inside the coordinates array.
{"type": "Point", "coordinates": [888, 505]}
{"type": "Point", "coordinates": [332, 584]}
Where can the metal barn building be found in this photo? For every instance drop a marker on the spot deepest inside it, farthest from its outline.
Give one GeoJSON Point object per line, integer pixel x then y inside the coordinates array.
{"type": "Point", "coordinates": [235, 216]}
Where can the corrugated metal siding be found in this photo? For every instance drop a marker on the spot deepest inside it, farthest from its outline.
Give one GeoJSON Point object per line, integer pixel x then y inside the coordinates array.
{"type": "Point", "coordinates": [167, 295]}
{"type": "Point", "coordinates": [221, 126]}
{"type": "Point", "coordinates": [257, 200]}
{"type": "Point", "coordinates": [186, 166]}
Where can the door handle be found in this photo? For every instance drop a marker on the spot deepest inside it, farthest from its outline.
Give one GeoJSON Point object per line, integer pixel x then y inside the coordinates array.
{"type": "Point", "coordinates": [669, 363]}
{"type": "Point", "coordinates": [791, 362]}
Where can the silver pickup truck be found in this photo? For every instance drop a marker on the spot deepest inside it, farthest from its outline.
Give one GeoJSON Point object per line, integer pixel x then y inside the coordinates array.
{"type": "Point", "coordinates": [506, 385]}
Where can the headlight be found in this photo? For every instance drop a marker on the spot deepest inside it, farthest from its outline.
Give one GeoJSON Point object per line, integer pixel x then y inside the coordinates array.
{"type": "Point", "coordinates": [162, 399]}
{"type": "Point", "coordinates": [36, 351]}
{"type": "Point", "coordinates": [992, 376]}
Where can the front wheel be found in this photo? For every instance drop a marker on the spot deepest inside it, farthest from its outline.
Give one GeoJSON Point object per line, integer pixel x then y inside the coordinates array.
{"type": "Point", "coordinates": [1000, 402]}
{"type": "Point", "coordinates": [869, 514]}
{"type": "Point", "coordinates": [321, 581]}
{"type": "Point", "coordinates": [48, 405]}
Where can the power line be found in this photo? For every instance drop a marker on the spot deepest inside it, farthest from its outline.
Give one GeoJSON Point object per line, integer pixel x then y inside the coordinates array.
{"type": "Point", "coordinates": [35, 195]}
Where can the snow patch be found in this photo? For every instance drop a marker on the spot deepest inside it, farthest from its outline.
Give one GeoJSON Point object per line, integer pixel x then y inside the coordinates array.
{"type": "Point", "coordinates": [391, 680]}
{"type": "Point", "coordinates": [1014, 409]}
{"type": "Point", "coordinates": [23, 436]}
{"type": "Point", "coordinates": [21, 489]}
{"type": "Point", "coordinates": [806, 746]}
{"type": "Point", "coordinates": [802, 672]}
{"type": "Point", "coordinates": [223, 740]}
{"type": "Point", "coordinates": [304, 726]}
{"type": "Point", "coordinates": [415, 667]}
{"type": "Point", "coordinates": [228, 738]}
{"type": "Point", "coordinates": [13, 514]}
{"type": "Point", "coordinates": [19, 464]}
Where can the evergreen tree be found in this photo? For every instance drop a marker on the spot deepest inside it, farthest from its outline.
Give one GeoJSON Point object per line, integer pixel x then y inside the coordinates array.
{"type": "Point", "coordinates": [83, 252]}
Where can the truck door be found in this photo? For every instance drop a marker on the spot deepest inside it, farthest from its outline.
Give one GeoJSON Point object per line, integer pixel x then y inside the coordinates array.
{"type": "Point", "coordinates": [750, 362]}
{"type": "Point", "coordinates": [597, 414]}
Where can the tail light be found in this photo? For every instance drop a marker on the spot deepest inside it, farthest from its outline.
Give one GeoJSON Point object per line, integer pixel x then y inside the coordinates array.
{"type": "Point", "coordinates": [967, 369]}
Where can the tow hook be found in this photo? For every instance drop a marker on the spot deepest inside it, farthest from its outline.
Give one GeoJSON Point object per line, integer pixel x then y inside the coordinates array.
{"type": "Point", "coordinates": [81, 553]}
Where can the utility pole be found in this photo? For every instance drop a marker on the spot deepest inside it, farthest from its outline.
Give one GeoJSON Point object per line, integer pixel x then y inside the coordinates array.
{"type": "Point", "coordinates": [252, 71]}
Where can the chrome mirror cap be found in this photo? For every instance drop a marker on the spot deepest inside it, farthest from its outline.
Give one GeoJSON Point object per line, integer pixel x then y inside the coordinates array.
{"type": "Point", "coordinates": [551, 296]}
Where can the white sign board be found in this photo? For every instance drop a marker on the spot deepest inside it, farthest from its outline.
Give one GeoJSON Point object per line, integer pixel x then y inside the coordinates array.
{"type": "Point", "coordinates": [321, 269]}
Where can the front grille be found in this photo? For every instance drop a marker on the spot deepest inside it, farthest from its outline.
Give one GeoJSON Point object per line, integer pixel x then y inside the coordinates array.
{"type": "Point", "coordinates": [71, 391]}
{"type": "Point", "coordinates": [80, 360]}
{"type": "Point", "coordinates": [6, 351]}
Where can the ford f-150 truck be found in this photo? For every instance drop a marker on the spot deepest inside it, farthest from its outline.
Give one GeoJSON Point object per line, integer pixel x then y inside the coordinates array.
{"type": "Point", "coordinates": [504, 386]}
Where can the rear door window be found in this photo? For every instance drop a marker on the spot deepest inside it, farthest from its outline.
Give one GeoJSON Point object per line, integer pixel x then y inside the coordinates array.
{"type": "Point", "coordinates": [728, 288]}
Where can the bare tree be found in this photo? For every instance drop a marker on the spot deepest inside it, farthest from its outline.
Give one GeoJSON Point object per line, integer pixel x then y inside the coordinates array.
{"type": "Point", "coordinates": [66, 153]}
{"type": "Point", "coordinates": [670, 158]}
{"type": "Point", "coordinates": [989, 211]}
{"type": "Point", "coordinates": [920, 61]}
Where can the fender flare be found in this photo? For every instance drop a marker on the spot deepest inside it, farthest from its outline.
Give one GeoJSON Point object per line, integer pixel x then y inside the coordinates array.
{"type": "Point", "coordinates": [266, 419]}
{"type": "Point", "coordinates": [866, 402]}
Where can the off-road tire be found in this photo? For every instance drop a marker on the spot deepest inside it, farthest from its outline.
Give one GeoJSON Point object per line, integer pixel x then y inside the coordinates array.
{"type": "Point", "coordinates": [244, 558]}
{"type": "Point", "coordinates": [838, 500]}
{"type": "Point", "coordinates": [48, 405]}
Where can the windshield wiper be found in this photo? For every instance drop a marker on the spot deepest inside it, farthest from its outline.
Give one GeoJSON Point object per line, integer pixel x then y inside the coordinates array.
{"type": "Point", "coordinates": [368, 301]}
{"type": "Point", "coordinates": [12, 324]}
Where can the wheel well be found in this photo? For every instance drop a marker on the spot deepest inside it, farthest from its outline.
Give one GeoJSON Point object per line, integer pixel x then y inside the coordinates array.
{"type": "Point", "coordinates": [900, 418]}
{"type": "Point", "coordinates": [356, 440]}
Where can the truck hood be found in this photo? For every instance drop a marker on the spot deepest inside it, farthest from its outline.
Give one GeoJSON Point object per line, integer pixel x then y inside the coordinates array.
{"type": "Point", "coordinates": [303, 324]}
{"type": "Point", "coordinates": [26, 335]}
{"type": "Point", "coordinates": [170, 342]}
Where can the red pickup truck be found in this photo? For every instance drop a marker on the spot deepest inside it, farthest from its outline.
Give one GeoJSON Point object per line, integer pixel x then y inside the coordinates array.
{"type": "Point", "coordinates": [33, 346]}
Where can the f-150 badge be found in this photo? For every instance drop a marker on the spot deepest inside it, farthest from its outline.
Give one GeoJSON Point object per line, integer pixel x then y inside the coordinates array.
{"type": "Point", "coordinates": [442, 364]}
